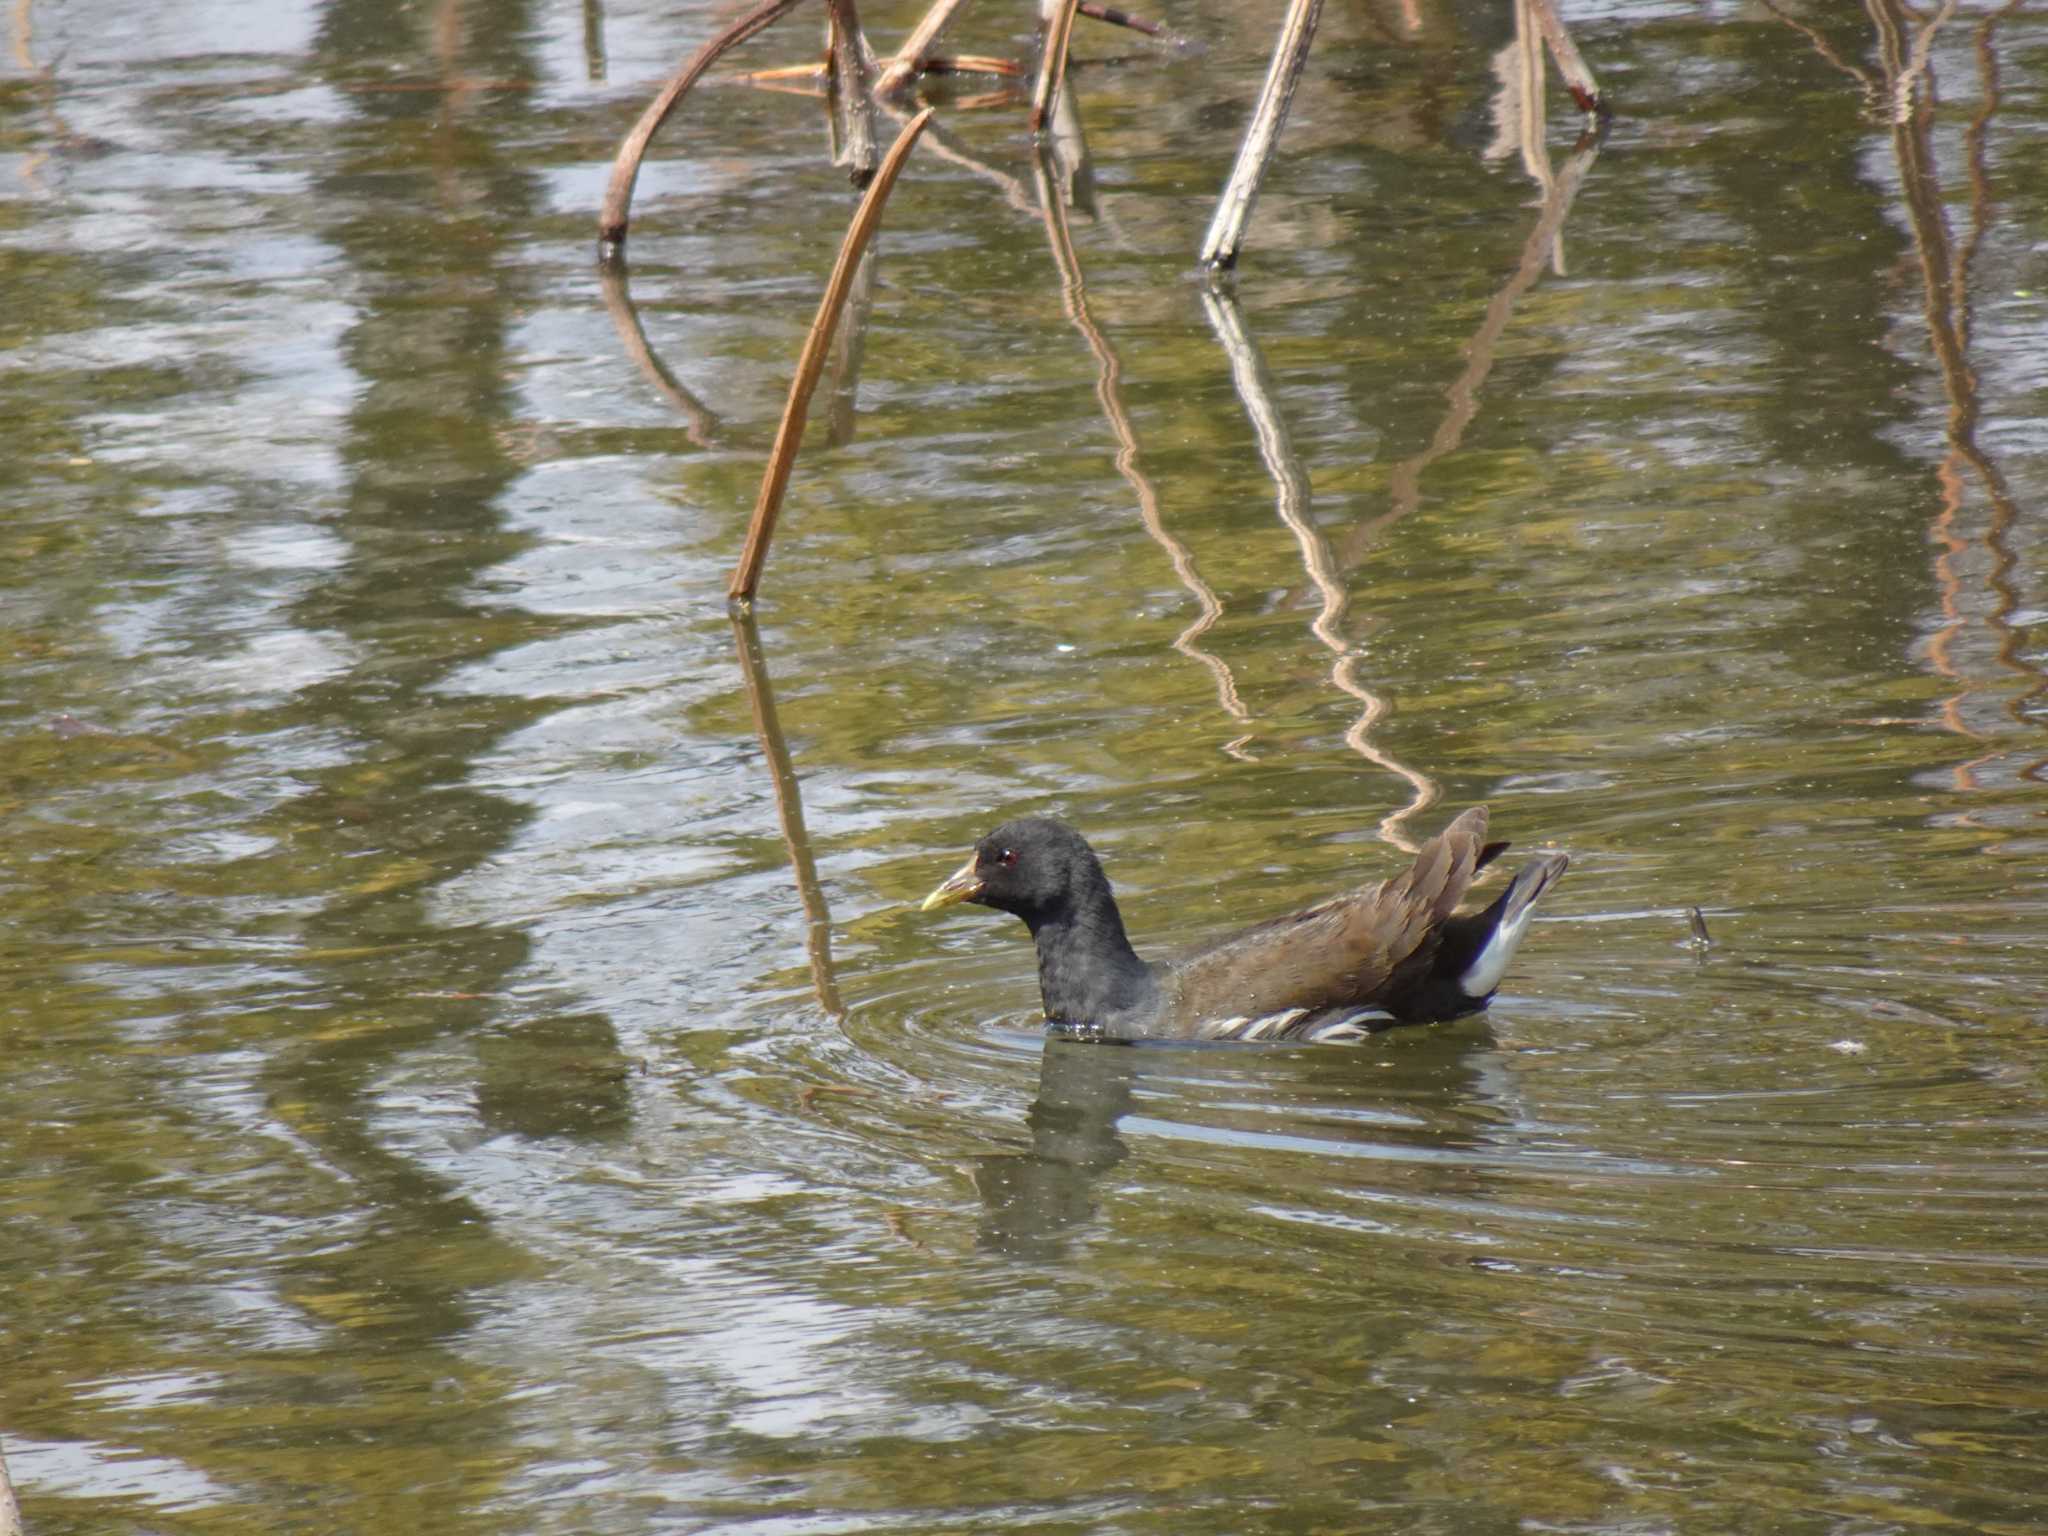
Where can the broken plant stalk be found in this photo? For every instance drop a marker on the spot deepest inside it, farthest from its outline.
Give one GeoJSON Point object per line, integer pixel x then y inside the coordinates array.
{"type": "Point", "coordinates": [1577, 78]}
{"type": "Point", "coordinates": [1234, 208]}
{"type": "Point", "coordinates": [910, 57]}
{"type": "Point", "coordinates": [851, 74]}
{"type": "Point", "coordinates": [1052, 70]}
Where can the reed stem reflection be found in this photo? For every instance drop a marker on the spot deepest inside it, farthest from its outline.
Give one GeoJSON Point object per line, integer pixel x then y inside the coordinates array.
{"type": "Point", "coordinates": [1109, 393]}
{"type": "Point", "coordinates": [789, 811]}
{"type": "Point", "coordinates": [618, 302]}
{"type": "Point", "coordinates": [1291, 485]}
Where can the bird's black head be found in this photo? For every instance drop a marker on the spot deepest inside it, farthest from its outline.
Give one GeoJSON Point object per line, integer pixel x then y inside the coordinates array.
{"type": "Point", "coordinates": [1035, 866]}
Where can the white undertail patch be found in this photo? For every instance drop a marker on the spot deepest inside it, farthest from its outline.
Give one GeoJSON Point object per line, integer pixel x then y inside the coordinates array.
{"type": "Point", "coordinates": [1491, 963]}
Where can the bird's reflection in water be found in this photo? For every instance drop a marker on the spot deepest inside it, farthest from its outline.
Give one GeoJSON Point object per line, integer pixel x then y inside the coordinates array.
{"type": "Point", "coordinates": [1422, 1099]}
{"type": "Point", "coordinates": [1031, 1199]}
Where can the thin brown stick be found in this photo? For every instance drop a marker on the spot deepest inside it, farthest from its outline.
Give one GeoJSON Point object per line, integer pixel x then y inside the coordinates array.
{"type": "Point", "coordinates": [974, 64]}
{"type": "Point", "coordinates": [1234, 207]}
{"type": "Point", "coordinates": [618, 192]}
{"type": "Point", "coordinates": [1577, 78]}
{"type": "Point", "coordinates": [983, 101]}
{"type": "Point", "coordinates": [746, 576]}
{"type": "Point", "coordinates": [1052, 71]}
{"type": "Point", "coordinates": [1872, 92]}
{"type": "Point", "coordinates": [1518, 106]}
{"type": "Point", "coordinates": [931, 64]}
{"type": "Point", "coordinates": [1116, 18]}
{"type": "Point", "coordinates": [909, 58]}
{"type": "Point", "coordinates": [818, 88]}
{"type": "Point", "coordinates": [816, 73]}
{"type": "Point", "coordinates": [24, 33]}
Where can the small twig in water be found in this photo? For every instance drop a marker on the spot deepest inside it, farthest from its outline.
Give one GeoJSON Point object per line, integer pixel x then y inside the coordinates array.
{"type": "Point", "coordinates": [910, 58]}
{"type": "Point", "coordinates": [813, 74]}
{"type": "Point", "coordinates": [1052, 70]}
{"type": "Point", "coordinates": [1117, 18]}
{"type": "Point", "coordinates": [1577, 78]}
{"type": "Point", "coordinates": [974, 64]}
{"type": "Point", "coordinates": [1234, 208]}
{"type": "Point", "coordinates": [855, 102]}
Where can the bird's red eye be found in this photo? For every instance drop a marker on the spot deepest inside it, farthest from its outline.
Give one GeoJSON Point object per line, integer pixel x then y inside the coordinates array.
{"type": "Point", "coordinates": [1007, 858]}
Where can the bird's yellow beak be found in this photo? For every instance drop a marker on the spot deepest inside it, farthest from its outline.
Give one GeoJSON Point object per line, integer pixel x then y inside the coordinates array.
{"type": "Point", "coordinates": [962, 885]}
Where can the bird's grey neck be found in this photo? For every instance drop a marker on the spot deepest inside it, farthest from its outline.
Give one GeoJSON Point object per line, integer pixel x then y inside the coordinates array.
{"type": "Point", "coordinates": [1087, 970]}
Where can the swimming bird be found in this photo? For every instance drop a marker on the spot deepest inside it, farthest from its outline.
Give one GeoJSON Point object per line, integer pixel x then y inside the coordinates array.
{"type": "Point", "coordinates": [1384, 954]}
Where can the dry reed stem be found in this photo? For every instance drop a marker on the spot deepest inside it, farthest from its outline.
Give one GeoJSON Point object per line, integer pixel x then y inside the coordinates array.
{"type": "Point", "coordinates": [931, 64]}
{"type": "Point", "coordinates": [851, 57]}
{"type": "Point", "coordinates": [746, 576]}
{"type": "Point", "coordinates": [975, 64]}
{"type": "Point", "coordinates": [818, 71]}
{"type": "Point", "coordinates": [909, 58]}
{"type": "Point", "coordinates": [618, 192]}
{"type": "Point", "coordinates": [1052, 71]}
{"type": "Point", "coordinates": [1117, 18]}
{"type": "Point", "coordinates": [1577, 78]}
{"type": "Point", "coordinates": [1011, 188]}
{"type": "Point", "coordinates": [1234, 208]}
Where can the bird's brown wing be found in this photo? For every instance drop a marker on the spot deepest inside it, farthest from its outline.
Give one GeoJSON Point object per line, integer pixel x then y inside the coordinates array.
{"type": "Point", "coordinates": [1347, 951]}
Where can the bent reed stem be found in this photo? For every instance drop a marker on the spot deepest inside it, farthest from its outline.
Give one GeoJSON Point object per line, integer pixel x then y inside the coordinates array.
{"type": "Point", "coordinates": [746, 576]}
{"type": "Point", "coordinates": [618, 192]}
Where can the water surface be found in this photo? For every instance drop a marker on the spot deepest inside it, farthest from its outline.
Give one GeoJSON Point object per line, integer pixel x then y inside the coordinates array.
{"type": "Point", "coordinates": [474, 1062]}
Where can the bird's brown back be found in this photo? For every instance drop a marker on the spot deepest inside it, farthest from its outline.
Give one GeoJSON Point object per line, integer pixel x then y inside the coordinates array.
{"type": "Point", "coordinates": [1352, 950]}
